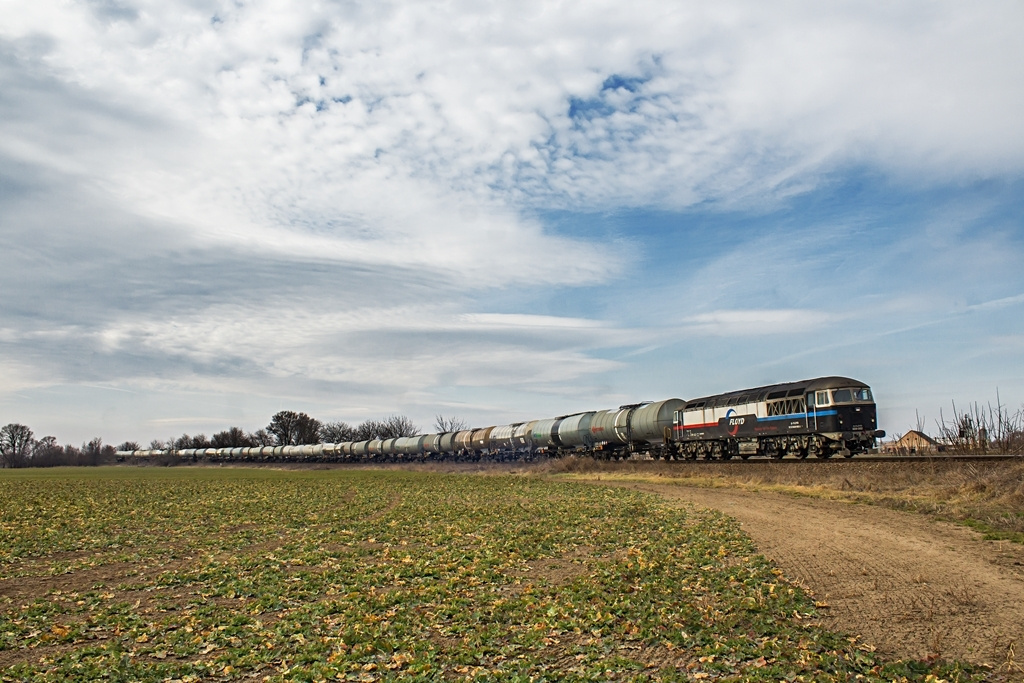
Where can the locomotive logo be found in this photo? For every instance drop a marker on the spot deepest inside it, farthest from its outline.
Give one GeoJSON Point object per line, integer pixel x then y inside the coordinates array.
{"type": "Point", "coordinates": [734, 422]}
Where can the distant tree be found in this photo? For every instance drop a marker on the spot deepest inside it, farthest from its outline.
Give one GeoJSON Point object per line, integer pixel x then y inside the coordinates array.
{"type": "Point", "coordinates": [449, 424]}
{"type": "Point", "coordinates": [129, 446]}
{"type": "Point", "coordinates": [398, 425]}
{"type": "Point", "coordinates": [261, 438]}
{"type": "Point", "coordinates": [231, 438]}
{"type": "Point", "coordinates": [293, 429]}
{"type": "Point", "coordinates": [308, 430]}
{"type": "Point", "coordinates": [15, 445]}
{"type": "Point", "coordinates": [95, 453]}
{"type": "Point", "coordinates": [368, 429]}
{"type": "Point", "coordinates": [186, 441]}
{"type": "Point", "coordinates": [337, 432]}
{"type": "Point", "coordinates": [46, 452]}
{"type": "Point", "coordinates": [44, 444]}
{"type": "Point", "coordinates": [73, 455]}
{"type": "Point", "coordinates": [389, 428]}
{"type": "Point", "coordinates": [158, 445]}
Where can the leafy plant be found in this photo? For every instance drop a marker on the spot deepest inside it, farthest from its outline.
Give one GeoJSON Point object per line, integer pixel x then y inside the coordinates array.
{"type": "Point", "coordinates": [207, 574]}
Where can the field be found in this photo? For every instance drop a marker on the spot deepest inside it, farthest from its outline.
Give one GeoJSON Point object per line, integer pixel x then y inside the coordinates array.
{"type": "Point", "coordinates": [209, 574]}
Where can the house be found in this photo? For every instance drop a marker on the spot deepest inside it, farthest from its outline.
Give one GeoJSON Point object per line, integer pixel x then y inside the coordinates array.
{"type": "Point", "coordinates": [914, 442]}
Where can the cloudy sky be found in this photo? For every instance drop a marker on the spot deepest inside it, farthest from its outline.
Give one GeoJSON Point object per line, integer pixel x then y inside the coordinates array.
{"type": "Point", "coordinates": [213, 210]}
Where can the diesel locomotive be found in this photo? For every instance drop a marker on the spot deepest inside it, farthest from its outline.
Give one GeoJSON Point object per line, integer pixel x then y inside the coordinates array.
{"type": "Point", "coordinates": [822, 417]}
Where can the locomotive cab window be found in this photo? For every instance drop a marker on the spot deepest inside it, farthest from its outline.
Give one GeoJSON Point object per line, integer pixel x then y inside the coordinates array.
{"type": "Point", "coordinates": [862, 394]}
{"type": "Point", "coordinates": [821, 398]}
{"type": "Point", "coordinates": [842, 396]}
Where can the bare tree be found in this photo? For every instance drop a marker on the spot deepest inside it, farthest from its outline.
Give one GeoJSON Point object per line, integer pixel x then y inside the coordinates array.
{"type": "Point", "coordinates": [979, 429]}
{"type": "Point", "coordinates": [95, 453]}
{"type": "Point", "coordinates": [261, 437]}
{"type": "Point", "coordinates": [231, 438]}
{"type": "Point", "coordinates": [129, 446]}
{"type": "Point", "coordinates": [337, 432]}
{"type": "Point", "coordinates": [293, 429]}
{"type": "Point", "coordinates": [449, 424]}
{"type": "Point", "coordinates": [186, 441]}
{"type": "Point", "coordinates": [368, 429]}
{"type": "Point", "coordinates": [15, 445]}
{"type": "Point", "coordinates": [47, 453]}
{"type": "Point", "coordinates": [394, 426]}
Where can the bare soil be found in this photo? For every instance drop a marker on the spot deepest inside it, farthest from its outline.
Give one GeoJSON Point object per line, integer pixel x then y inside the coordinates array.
{"type": "Point", "coordinates": [906, 584]}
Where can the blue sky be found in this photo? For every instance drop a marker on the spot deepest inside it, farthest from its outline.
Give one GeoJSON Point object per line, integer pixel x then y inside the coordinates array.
{"type": "Point", "coordinates": [212, 211]}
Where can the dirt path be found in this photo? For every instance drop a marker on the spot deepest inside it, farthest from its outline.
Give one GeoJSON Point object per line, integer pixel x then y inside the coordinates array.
{"type": "Point", "coordinates": [908, 585]}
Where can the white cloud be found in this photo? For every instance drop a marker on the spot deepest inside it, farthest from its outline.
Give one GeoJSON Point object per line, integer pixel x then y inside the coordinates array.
{"type": "Point", "coordinates": [370, 124]}
{"type": "Point", "coordinates": [757, 322]}
{"type": "Point", "coordinates": [283, 192]}
{"type": "Point", "coordinates": [390, 349]}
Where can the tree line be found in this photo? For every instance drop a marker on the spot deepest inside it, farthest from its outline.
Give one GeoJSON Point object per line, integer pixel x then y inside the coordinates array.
{"type": "Point", "coordinates": [20, 448]}
{"type": "Point", "coordinates": [289, 428]}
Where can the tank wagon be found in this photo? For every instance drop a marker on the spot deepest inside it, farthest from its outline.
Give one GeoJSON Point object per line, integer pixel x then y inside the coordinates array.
{"type": "Point", "coordinates": [823, 417]}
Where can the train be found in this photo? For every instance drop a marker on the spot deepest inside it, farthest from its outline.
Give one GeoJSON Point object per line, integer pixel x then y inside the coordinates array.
{"type": "Point", "coordinates": [823, 417]}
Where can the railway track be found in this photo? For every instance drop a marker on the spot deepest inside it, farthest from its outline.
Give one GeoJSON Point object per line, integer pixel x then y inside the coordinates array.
{"type": "Point", "coordinates": [753, 461]}
{"type": "Point", "coordinates": [867, 458]}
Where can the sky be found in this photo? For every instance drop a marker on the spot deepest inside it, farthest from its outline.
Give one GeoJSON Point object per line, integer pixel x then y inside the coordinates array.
{"type": "Point", "coordinates": [211, 211]}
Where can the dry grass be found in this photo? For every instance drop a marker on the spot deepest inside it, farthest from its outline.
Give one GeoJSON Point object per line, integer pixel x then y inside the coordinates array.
{"type": "Point", "coordinates": [986, 495]}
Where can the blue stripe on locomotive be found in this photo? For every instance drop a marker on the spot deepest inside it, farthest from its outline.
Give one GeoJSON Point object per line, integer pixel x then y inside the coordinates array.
{"type": "Point", "coordinates": [799, 416]}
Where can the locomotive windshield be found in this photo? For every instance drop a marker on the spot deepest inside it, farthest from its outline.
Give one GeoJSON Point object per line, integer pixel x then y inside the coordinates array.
{"type": "Point", "coordinates": [851, 395]}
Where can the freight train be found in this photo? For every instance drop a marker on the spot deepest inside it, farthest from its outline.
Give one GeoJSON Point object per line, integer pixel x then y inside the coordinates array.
{"type": "Point", "coordinates": [822, 417]}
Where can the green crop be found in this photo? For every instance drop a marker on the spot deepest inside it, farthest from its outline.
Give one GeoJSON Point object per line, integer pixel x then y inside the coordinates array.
{"type": "Point", "coordinates": [209, 574]}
